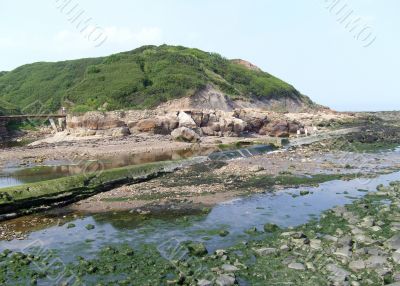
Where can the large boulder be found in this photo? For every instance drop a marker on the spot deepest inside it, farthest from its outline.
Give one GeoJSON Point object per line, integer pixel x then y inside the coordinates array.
{"type": "Point", "coordinates": [185, 134]}
{"type": "Point", "coordinates": [146, 125]}
{"type": "Point", "coordinates": [276, 129]}
{"type": "Point", "coordinates": [168, 123]}
{"type": "Point", "coordinates": [294, 126]}
{"type": "Point", "coordinates": [208, 131]}
{"type": "Point", "coordinates": [157, 125]}
{"type": "Point", "coordinates": [255, 119]}
{"type": "Point", "coordinates": [239, 126]}
{"type": "Point", "coordinates": [185, 120]}
{"type": "Point", "coordinates": [95, 121]}
{"type": "Point", "coordinates": [230, 126]}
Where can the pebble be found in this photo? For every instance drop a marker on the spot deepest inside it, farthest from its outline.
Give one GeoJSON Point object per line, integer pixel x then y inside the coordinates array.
{"type": "Point", "coordinates": [229, 268]}
{"type": "Point", "coordinates": [265, 251]}
{"type": "Point", "coordinates": [204, 282]}
{"type": "Point", "coordinates": [297, 266]}
{"type": "Point", "coordinates": [357, 265]}
{"type": "Point", "coordinates": [225, 280]}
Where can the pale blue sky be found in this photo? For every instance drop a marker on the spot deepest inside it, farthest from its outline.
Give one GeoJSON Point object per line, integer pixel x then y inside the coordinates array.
{"type": "Point", "coordinates": [302, 42]}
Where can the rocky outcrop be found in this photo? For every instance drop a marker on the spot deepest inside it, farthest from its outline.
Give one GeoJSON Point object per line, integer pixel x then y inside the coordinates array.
{"type": "Point", "coordinates": [185, 120]}
{"type": "Point", "coordinates": [158, 125]}
{"type": "Point", "coordinates": [255, 119]}
{"type": "Point", "coordinates": [281, 128]}
{"type": "Point", "coordinates": [146, 125]}
{"type": "Point", "coordinates": [200, 122]}
{"type": "Point", "coordinates": [95, 121]}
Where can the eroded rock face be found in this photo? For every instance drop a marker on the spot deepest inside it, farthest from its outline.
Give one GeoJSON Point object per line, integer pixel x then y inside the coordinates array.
{"type": "Point", "coordinates": [146, 125]}
{"type": "Point", "coordinates": [185, 120]}
{"type": "Point", "coordinates": [95, 121]}
{"type": "Point", "coordinates": [255, 119]}
{"type": "Point", "coordinates": [202, 122]}
{"type": "Point", "coordinates": [231, 126]}
{"type": "Point", "coordinates": [281, 128]}
{"type": "Point", "coordinates": [276, 129]}
{"type": "Point", "coordinates": [157, 125]}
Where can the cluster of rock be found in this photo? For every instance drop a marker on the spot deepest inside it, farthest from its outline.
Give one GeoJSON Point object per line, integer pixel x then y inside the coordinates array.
{"type": "Point", "coordinates": [365, 247]}
{"type": "Point", "coordinates": [186, 125]}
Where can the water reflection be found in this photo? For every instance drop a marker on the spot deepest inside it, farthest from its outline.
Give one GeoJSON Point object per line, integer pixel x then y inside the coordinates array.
{"type": "Point", "coordinates": [57, 169]}
{"type": "Point", "coordinates": [9, 182]}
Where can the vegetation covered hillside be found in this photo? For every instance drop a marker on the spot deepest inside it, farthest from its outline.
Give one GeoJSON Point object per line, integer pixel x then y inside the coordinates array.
{"type": "Point", "coordinates": [138, 79]}
{"type": "Point", "coordinates": [7, 108]}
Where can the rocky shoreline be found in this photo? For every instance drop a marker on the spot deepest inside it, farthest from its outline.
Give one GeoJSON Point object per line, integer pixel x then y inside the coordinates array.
{"type": "Point", "coordinates": [353, 245]}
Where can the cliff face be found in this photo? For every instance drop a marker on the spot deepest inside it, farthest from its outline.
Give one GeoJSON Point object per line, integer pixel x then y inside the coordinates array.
{"type": "Point", "coordinates": [212, 98]}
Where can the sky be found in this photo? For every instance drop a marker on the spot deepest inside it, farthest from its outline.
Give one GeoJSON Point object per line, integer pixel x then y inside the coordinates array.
{"type": "Point", "coordinates": [347, 63]}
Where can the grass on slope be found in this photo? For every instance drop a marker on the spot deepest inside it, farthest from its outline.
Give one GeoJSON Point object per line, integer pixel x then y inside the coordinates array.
{"type": "Point", "coordinates": [7, 108]}
{"type": "Point", "coordinates": [138, 79]}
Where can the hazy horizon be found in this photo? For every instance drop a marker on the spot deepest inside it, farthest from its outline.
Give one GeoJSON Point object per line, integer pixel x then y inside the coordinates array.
{"type": "Point", "coordinates": [341, 55]}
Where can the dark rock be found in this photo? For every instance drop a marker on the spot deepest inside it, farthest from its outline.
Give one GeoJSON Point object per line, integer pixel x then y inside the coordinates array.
{"type": "Point", "coordinates": [270, 227]}
{"type": "Point", "coordinates": [71, 225]}
{"type": "Point", "coordinates": [89, 226]}
{"type": "Point", "coordinates": [197, 249]}
{"type": "Point", "coordinates": [223, 233]}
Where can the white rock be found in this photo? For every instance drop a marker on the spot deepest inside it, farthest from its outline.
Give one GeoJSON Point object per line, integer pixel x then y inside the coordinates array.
{"type": "Point", "coordinates": [265, 251]}
{"type": "Point", "coordinates": [315, 244]}
{"type": "Point", "coordinates": [229, 268]}
{"type": "Point", "coordinates": [225, 280]}
{"type": "Point", "coordinates": [357, 265]}
{"type": "Point", "coordinates": [338, 274]}
{"type": "Point", "coordinates": [296, 266]}
{"type": "Point", "coordinates": [185, 120]}
{"type": "Point", "coordinates": [396, 256]}
{"type": "Point", "coordinates": [204, 282]}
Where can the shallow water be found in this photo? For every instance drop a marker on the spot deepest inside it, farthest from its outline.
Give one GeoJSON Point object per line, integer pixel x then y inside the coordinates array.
{"type": "Point", "coordinates": [14, 175]}
{"type": "Point", "coordinates": [284, 208]}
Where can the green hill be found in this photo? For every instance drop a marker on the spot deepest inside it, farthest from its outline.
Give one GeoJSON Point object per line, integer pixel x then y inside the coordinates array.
{"type": "Point", "coordinates": [138, 79]}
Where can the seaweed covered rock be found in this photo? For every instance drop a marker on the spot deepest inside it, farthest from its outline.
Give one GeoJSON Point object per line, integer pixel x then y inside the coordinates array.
{"type": "Point", "coordinates": [197, 248]}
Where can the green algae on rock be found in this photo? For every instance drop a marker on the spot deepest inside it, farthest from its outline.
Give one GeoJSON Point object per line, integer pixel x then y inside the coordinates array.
{"type": "Point", "coordinates": [70, 189]}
